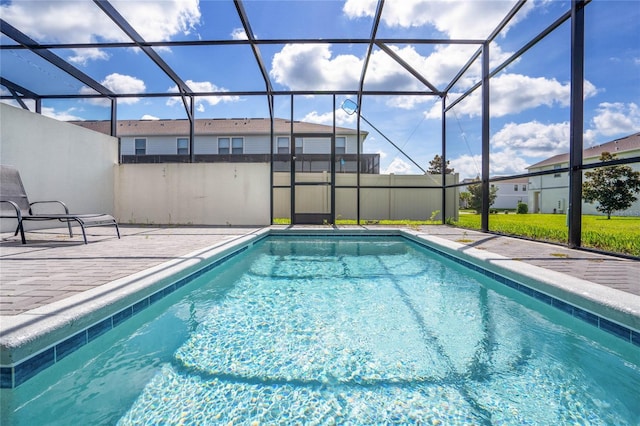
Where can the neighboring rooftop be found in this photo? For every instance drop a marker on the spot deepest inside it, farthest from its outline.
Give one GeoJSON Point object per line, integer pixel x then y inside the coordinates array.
{"type": "Point", "coordinates": [212, 126]}
{"type": "Point", "coordinates": [628, 143]}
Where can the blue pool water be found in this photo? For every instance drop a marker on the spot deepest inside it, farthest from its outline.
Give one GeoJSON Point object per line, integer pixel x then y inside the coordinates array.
{"type": "Point", "coordinates": [346, 331]}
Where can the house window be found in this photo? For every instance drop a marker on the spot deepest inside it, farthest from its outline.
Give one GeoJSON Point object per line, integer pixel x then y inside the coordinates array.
{"type": "Point", "coordinates": [140, 146]}
{"type": "Point", "coordinates": [283, 145]}
{"type": "Point", "coordinates": [237, 145]}
{"type": "Point", "coordinates": [298, 146]}
{"type": "Point", "coordinates": [524, 187]}
{"type": "Point", "coordinates": [556, 167]}
{"type": "Point", "coordinates": [341, 145]}
{"type": "Point", "coordinates": [183, 146]}
{"type": "Point", "coordinates": [515, 188]}
{"type": "Point", "coordinates": [223, 145]}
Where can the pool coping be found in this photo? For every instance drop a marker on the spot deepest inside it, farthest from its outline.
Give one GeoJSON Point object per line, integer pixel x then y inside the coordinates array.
{"type": "Point", "coordinates": [32, 341]}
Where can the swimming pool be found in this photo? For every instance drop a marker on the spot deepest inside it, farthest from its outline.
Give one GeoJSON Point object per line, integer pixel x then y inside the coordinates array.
{"type": "Point", "coordinates": [345, 330]}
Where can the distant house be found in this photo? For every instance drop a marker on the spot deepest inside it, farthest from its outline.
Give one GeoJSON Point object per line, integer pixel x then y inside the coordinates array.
{"type": "Point", "coordinates": [550, 193]}
{"type": "Point", "coordinates": [509, 192]}
{"type": "Point", "coordinates": [239, 140]}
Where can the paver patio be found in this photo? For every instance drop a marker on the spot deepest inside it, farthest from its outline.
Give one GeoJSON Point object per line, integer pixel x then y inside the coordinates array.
{"type": "Point", "coordinates": [52, 266]}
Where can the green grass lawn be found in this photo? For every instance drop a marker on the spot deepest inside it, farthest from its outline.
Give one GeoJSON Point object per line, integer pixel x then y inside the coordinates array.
{"type": "Point", "coordinates": [618, 234]}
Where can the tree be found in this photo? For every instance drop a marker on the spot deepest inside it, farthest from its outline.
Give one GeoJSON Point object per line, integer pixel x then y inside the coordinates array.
{"type": "Point", "coordinates": [465, 199]}
{"type": "Point", "coordinates": [435, 166]}
{"type": "Point", "coordinates": [612, 187]}
{"type": "Point", "coordinates": [475, 189]}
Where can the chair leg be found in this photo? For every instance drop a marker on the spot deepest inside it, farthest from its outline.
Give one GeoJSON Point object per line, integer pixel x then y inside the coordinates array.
{"type": "Point", "coordinates": [84, 233]}
{"type": "Point", "coordinates": [69, 226]}
{"type": "Point", "coordinates": [117, 229]}
{"type": "Point", "coordinates": [20, 229]}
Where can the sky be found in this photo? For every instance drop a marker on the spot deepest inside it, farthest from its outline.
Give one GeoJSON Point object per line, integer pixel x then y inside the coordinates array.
{"type": "Point", "coordinates": [529, 101]}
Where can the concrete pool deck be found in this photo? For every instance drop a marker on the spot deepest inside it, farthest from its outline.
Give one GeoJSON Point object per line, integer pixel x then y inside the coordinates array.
{"type": "Point", "coordinates": [53, 275]}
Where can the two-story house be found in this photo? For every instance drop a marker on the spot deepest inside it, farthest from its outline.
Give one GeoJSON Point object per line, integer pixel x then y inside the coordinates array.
{"type": "Point", "coordinates": [240, 140]}
{"type": "Point", "coordinates": [550, 193]}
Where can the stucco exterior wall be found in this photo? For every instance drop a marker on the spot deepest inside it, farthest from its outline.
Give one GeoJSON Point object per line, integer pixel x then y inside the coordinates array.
{"type": "Point", "coordinates": [193, 193]}
{"type": "Point", "coordinates": [58, 161]}
{"type": "Point", "coordinates": [507, 197]}
{"type": "Point", "coordinates": [550, 193]}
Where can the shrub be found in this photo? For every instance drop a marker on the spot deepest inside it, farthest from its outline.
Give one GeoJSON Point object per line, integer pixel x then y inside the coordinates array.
{"type": "Point", "coordinates": [522, 208]}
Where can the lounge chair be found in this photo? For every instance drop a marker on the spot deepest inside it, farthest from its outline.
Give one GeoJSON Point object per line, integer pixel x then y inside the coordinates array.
{"type": "Point", "coordinates": [14, 203]}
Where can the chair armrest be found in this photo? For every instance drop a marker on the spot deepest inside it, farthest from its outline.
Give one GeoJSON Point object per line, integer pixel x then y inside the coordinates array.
{"type": "Point", "coordinates": [15, 207]}
{"type": "Point", "coordinates": [66, 209]}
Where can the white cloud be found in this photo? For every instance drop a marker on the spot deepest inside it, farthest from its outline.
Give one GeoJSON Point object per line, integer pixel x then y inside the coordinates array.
{"type": "Point", "coordinates": [84, 22]}
{"type": "Point", "coordinates": [315, 67]}
{"type": "Point", "coordinates": [397, 166]}
{"type": "Point", "coordinates": [149, 117]}
{"type": "Point", "coordinates": [202, 86]}
{"type": "Point", "coordinates": [532, 139]}
{"type": "Point", "coordinates": [514, 93]}
{"type": "Point", "coordinates": [501, 163]}
{"type": "Point", "coordinates": [60, 115]}
{"type": "Point", "coordinates": [117, 83]}
{"type": "Point", "coordinates": [239, 34]}
{"type": "Point", "coordinates": [306, 66]}
{"type": "Point", "coordinates": [613, 119]}
{"type": "Point", "coordinates": [158, 21]}
{"type": "Point", "coordinates": [84, 90]}
{"type": "Point", "coordinates": [467, 166]}
{"type": "Point", "coordinates": [518, 145]}
{"type": "Point", "coordinates": [456, 19]}
{"type": "Point", "coordinates": [506, 163]}
{"type": "Point", "coordinates": [85, 55]}
{"type": "Point", "coordinates": [120, 83]}
{"type": "Point", "coordinates": [342, 118]}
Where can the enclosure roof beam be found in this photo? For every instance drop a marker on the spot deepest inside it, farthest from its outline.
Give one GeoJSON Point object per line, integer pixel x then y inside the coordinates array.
{"type": "Point", "coordinates": [242, 93]}
{"type": "Point", "coordinates": [508, 17]}
{"type": "Point", "coordinates": [14, 86]}
{"type": "Point", "coordinates": [258, 42]}
{"type": "Point", "coordinates": [124, 25]}
{"type": "Point", "coordinates": [365, 65]}
{"type": "Point", "coordinates": [256, 51]}
{"type": "Point", "coordinates": [182, 43]}
{"type": "Point", "coordinates": [409, 68]}
{"type": "Point", "coordinates": [21, 38]}
{"type": "Point", "coordinates": [14, 89]}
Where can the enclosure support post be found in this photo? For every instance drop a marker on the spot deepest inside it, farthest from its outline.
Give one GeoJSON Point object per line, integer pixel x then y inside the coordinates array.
{"type": "Point", "coordinates": [271, 149]}
{"type": "Point", "coordinates": [485, 138]}
{"type": "Point", "coordinates": [444, 161]}
{"type": "Point", "coordinates": [114, 117]}
{"type": "Point", "coordinates": [292, 168]}
{"type": "Point", "coordinates": [332, 188]}
{"type": "Point", "coordinates": [192, 126]}
{"type": "Point", "coordinates": [358, 168]}
{"type": "Point", "coordinates": [577, 123]}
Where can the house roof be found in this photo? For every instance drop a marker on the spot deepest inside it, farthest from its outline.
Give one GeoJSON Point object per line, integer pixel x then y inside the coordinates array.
{"type": "Point", "coordinates": [514, 180]}
{"type": "Point", "coordinates": [628, 143]}
{"type": "Point", "coordinates": [211, 126]}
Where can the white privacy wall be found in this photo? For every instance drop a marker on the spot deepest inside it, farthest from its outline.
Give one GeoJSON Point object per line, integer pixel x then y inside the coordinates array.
{"type": "Point", "coordinates": [193, 193]}
{"type": "Point", "coordinates": [58, 161]}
